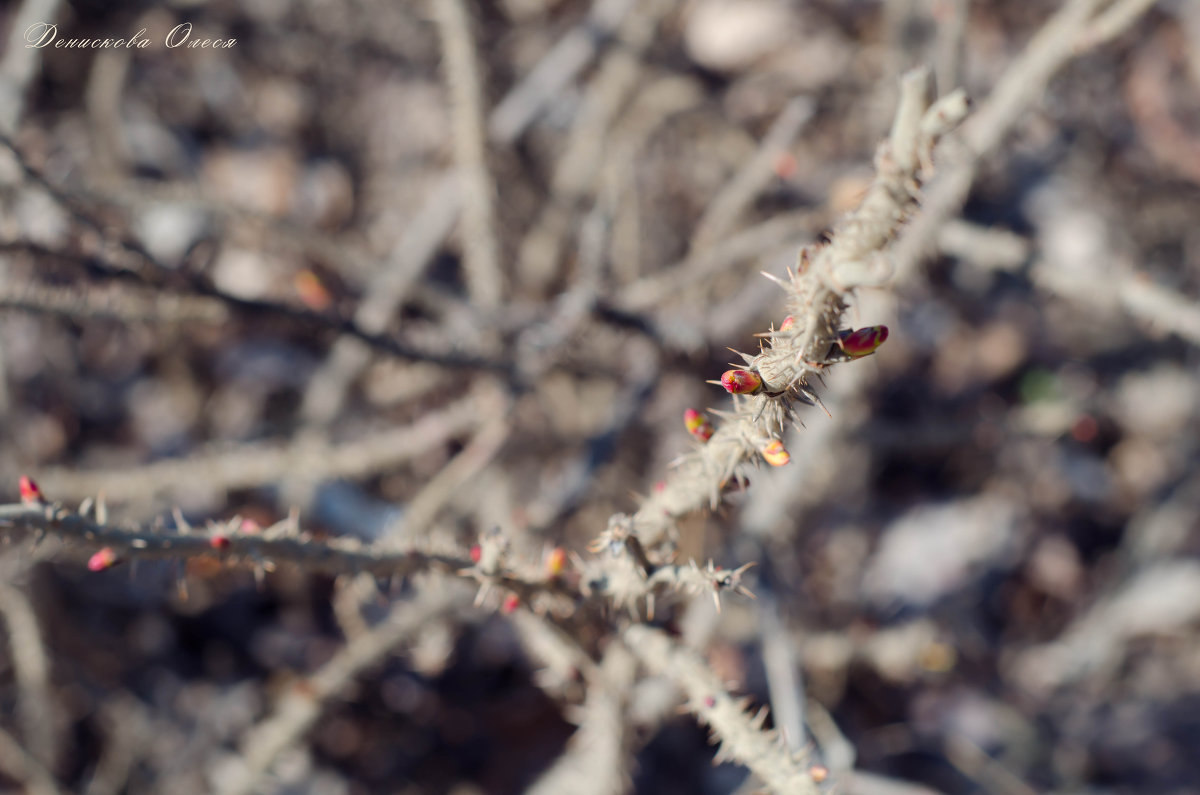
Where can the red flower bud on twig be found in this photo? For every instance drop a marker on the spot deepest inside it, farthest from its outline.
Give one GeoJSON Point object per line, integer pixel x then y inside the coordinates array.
{"type": "Point", "coordinates": [741, 382]}
{"type": "Point", "coordinates": [220, 543]}
{"type": "Point", "coordinates": [511, 602]}
{"type": "Point", "coordinates": [103, 559]}
{"type": "Point", "coordinates": [30, 493]}
{"type": "Point", "coordinates": [863, 341]}
{"type": "Point", "coordinates": [476, 553]}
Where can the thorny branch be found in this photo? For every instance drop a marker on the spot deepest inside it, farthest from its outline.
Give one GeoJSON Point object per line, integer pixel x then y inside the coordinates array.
{"type": "Point", "coordinates": [770, 385]}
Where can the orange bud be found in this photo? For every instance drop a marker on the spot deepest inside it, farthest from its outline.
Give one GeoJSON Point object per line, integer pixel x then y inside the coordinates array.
{"type": "Point", "coordinates": [787, 323]}
{"type": "Point", "coordinates": [775, 454]}
{"type": "Point", "coordinates": [741, 382]}
{"type": "Point", "coordinates": [103, 559]}
{"type": "Point", "coordinates": [312, 293]}
{"type": "Point", "coordinates": [818, 773]}
{"type": "Point", "coordinates": [697, 426]}
{"type": "Point", "coordinates": [556, 562]}
{"type": "Point", "coordinates": [863, 341]}
{"type": "Point", "coordinates": [30, 493]}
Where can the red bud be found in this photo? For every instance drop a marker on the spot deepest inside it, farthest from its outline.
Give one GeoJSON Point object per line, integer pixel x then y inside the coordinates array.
{"type": "Point", "coordinates": [863, 341]}
{"type": "Point", "coordinates": [476, 553]}
{"type": "Point", "coordinates": [103, 559]}
{"type": "Point", "coordinates": [741, 382]}
{"type": "Point", "coordinates": [511, 602]}
{"type": "Point", "coordinates": [787, 323]}
{"type": "Point", "coordinates": [220, 543]}
{"type": "Point", "coordinates": [30, 493]}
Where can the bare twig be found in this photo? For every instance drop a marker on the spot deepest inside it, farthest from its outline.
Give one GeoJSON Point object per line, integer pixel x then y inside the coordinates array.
{"type": "Point", "coordinates": [469, 462]}
{"type": "Point", "coordinates": [115, 302]}
{"type": "Point", "coordinates": [726, 207]}
{"type": "Point", "coordinates": [18, 764]}
{"type": "Point", "coordinates": [300, 707]}
{"type": "Point", "coordinates": [20, 63]}
{"type": "Point", "coordinates": [555, 70]}
{"type": "Point", "coordinates": [32, 671]}
{"type": "Point", "coordinates": [1056, 43]}
{"type": "Point", "coordinates": [280, 544]}
{"type": "Point", "coordinates": [481, 252]}
{"type": "Point", "coordinates": [125, 257]}
{"type": "Point", "coordinates": [256, 464]}
{"type": "Point", "coordinates": [577, 170]}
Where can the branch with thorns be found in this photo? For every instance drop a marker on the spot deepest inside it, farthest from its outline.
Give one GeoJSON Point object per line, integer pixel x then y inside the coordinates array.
{"type": "Point", "coordinates": [768, 388]}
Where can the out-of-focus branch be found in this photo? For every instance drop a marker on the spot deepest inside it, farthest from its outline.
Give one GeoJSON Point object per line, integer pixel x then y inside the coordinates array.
{"type": "Point", "coordinates": [725, 208]}
{"type": "Point", "coordinates": [741, 735]}
{"type": "Point", "coordinates": [16, 762]}
{"type": "Point", "coordinates": [480, 249]}
{"type": "Point", "coordinates": [32, 672]}
{"type": "Point", "coordinates": [256, 464]}
{"type": "Point", "coordinates": [301, 705]}
{"type": "Point", "coordinates": [597, 761]}
{"type": "Point", "coordinates": [110, 302]}
{"type": "Point", "coordinates": [126, 258]}
{"type": "Point", "coordinates": [283, 543]}
{"type": "Point", "coordinates": [20, 63]}
{"type": "Point", "coordinates": [1062, 38]}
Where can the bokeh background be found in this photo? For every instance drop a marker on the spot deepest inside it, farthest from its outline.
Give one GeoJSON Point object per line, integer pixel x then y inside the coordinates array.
{"type": "Point", "coordinates": [982, 563]}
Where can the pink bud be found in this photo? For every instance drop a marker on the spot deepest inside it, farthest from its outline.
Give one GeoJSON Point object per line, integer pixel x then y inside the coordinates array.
{"type": "Point", "coordinates": [476, 553]}
{"type": "Point", "coordinates": [741, 382]}
{"type": "Point", "coordinates": [775, 453]}
{"type": "Point", "coordinates": [863, 341]}
{"type": "Point", "coordinates": [787, 323]}
{"type": "Point", "coordinates": [511, 602]}
{"type": "Point", "coordinates": [30, 493]}
{"type": "Point", "coordinates": [103, 559]}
